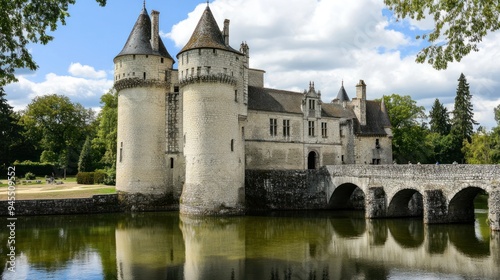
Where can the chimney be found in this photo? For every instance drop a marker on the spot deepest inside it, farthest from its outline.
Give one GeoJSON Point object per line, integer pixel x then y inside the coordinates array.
{"type": "Point", "coordinates": [155, 33]}
{"type": "Point", "coordinates": [225, 32]}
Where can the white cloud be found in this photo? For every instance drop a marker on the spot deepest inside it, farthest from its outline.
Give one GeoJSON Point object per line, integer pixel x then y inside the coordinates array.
{"type": "Point", "coordinates": [85, 71]}
{"type": "Point", "coordinates": [297, 41]}
{"type": "Point", "coordinates": [86, 91]}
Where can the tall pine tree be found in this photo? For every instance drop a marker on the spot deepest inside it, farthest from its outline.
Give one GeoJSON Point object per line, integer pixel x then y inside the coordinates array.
{"type": "Point", "coordinates": [463, 121]}
{"type": "Point", "coordinates": [6, 128]}
{"type": "Point", "coordinates": [440, 118]}
{"type": "Point", "coordinates": [463, 117]}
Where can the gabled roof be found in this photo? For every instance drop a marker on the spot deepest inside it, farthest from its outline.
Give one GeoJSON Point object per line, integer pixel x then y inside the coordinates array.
{"type": "Point", "coordinates": [139, 40]}
{"type": "Point", "coordinates": [376, 120]}
{"type": "Point", "coordinates": [273, 100]}
{"type": "Point", "coordinates": [207, 35]}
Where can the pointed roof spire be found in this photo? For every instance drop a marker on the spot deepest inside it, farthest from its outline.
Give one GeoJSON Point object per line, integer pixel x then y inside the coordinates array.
{"type": "Point", "coordinates": [342, 95]}
{"type": "Point", "coordinates": [207, 35]}
{"type": "Point", "coordinates": [139, 40]}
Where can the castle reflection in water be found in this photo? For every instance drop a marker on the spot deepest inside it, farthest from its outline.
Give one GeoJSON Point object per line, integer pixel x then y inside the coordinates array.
{"type": "Point", "coordinates": [284, 245]}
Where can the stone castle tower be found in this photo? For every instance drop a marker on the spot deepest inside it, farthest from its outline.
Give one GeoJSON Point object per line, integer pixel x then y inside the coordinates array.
{"type": "Point", "coordinates": [212, 78]}
{"type": "Point", "coordinates": [181, 130]}
{"type": "Point", "coordinates": [143, 71]}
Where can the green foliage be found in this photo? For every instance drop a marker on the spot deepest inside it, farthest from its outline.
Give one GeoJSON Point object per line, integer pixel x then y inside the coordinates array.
{"type": "Point", "coordinates": [49, 157]}
{"type": "Point", "coordinates": [458, 26]}
{"type": "Point", "coordinates": [23, 22]}
{"type": "Point", "coordinates": [105, 140]}
{"type": "Point", "coordinates": [496, 110]}
{"type": "Point", "coordinates": [59, 126]}
{"type": "Point", "coordinates": [29, 176]}
{"type": "Point", "coordinates": [409, 133]}
{"type": "Point", "coordinates": [85, 163]}
{"type": "Point", "coordinates": [478, 150]}
{"type": "Point", "coordinates": [6, 128]}
{"type": "Point", "coordinates": [90, 178]}
{"type": "Point", "coordinates": [439, 118]}
{"type": "Point", "coordinates": [34, 167]}
{"type": "Point", "coordinates": [85, 178]}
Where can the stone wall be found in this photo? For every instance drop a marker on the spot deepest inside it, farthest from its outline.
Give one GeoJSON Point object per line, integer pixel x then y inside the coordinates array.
{"type": "Point", "coordinates": [96, 204]}
{"type": "Point", "coordinates": [286, 189]}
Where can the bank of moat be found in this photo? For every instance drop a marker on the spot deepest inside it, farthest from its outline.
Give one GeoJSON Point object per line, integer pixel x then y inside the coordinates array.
{"type": "Point", "coordinates": [186, 136]}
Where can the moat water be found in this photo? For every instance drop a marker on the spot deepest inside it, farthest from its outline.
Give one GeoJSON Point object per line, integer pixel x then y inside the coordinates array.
{"type": "Point", "coordinates": [281, 245]}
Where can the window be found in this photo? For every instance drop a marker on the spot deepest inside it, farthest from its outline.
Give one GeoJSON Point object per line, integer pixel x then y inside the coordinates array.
{"type": "Point", "coordinates": [208, 69]}
{"type": "Point", "coordinates": [232, 145]}
{"type": "Point", "coordinates": [199, 51]}
{"type": "Point", "coordinates": [198, 71]}
{"type": "Point", "coordinates": [121, 151]}
{"type": "Point", "coordinates": [377, 144]}
{"type": "Point", "coordinates": [324, 131]}
{"type": "Point", "coordinates": [236, 96]}
{"type": "Point", "coordinates": [171, 163]}
{"type": "Point", "coordinates": [312, 104]}
{"type": "Point", "coordinates": [273, 126]}
{"type": "Point", "coordinates": [311, 128]}
{"type": "Point", "coordinates": [161, 60]}
{"type": "Point", "coordinates": [144, 75]}
{"type": "Point", "coordinates": [286, 128]}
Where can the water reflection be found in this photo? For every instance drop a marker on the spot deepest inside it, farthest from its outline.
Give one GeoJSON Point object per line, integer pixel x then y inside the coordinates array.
{"type": "Point", "coordinates": [282, 245]}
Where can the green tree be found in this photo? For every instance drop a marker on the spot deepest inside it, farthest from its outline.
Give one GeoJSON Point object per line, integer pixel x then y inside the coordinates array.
{"type": "Point", "coordinates": [105, 140]}
{"type": "Point", "coordinates": [59, 125]}
{"type": "Point", "coordinates": [458, 26]}
{"type": "Point", "coordinates": [479, 149]}
{"type": "Point", "coordinates": [463, 121]}
{"type": "Point", "coordinates": [463, 116]}
{"type": "Point", "coordinates": [23, 22]}
{"type": "Point", "coordinates": [439, 119]}
{"type": "Point", "coordinates": [7, 128]}
{"type": "Point", "coordinates": [409, 132]}
{"type": "Point", "coordinates": [85, 163]}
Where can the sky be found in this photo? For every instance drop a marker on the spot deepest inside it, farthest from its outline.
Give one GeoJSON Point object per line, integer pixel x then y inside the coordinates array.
{"type": "Point", "coordinates": [294, 41]}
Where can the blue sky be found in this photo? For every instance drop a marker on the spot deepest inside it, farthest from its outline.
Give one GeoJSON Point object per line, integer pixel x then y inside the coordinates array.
{"type": "Point", "coordinates": [294, 41]}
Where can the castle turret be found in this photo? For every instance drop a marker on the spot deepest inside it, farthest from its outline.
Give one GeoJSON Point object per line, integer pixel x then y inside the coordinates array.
{"type": "Point", "coordinates": [212, 78]}
{"type": "Point", "coordinates": [142, 79]}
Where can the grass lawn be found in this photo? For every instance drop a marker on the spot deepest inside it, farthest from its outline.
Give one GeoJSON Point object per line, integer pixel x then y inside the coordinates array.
{"type": "Point", "coordinates": [68, 189]}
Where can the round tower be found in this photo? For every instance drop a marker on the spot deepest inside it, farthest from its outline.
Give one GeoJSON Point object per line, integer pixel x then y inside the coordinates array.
{"type": "Point", "coordinates": [142, 80]}
{"type": "Point", "coordinates": [211, 77]}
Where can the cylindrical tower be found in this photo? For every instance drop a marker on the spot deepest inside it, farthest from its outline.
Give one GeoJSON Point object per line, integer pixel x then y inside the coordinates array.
{"type": "Point", "coordinates": [142, 72]}
{"type": "Point", "coordinates": [211, 75]}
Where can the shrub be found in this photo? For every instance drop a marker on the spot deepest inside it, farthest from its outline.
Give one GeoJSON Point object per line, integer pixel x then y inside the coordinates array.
{"type": "Point", "coordinates": [86, 178]}
{"type": "Point", "coordinates": [29, 176]}
{"type": "Point", "coordinates": [99, 176]}
{"type": "Point", "coordinates": [33, 167]}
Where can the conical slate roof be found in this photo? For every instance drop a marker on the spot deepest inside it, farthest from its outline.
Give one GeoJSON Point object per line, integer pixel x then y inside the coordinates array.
{"type": "Point", "coordinates": [342, 95]}
{"type": "Point", "coordinates": [139, 40]}
{"type": "Point", "coordinates": [207, 35]}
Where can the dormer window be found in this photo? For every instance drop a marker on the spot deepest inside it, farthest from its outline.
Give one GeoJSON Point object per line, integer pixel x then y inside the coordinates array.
{"type": "Point", "coordinates": [312, 104]}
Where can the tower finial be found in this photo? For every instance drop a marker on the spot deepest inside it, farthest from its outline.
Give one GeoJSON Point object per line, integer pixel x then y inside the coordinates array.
{"type": "Point", "coordinates": [144, 4]}
{"type": "Point", "coordinates": [208, 4]}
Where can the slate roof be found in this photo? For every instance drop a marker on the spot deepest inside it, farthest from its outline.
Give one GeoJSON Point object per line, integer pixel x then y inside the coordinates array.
{"type": "Point", "coordinates": [282, 101]}
{"type": "Point", "coordinates": [207, 35]}
{"type": "Point", "coordinates": [342, 95]}
{"type": "Point", "coordinates": [376, 120]}
{"type": "Point", "coordinates": [274, 100]}
{"type": "Point", "coordinates": [138, 41]}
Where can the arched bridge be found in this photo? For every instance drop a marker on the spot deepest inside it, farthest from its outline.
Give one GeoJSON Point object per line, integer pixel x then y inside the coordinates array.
{"type": "Point", "coordinates": [439, 193]}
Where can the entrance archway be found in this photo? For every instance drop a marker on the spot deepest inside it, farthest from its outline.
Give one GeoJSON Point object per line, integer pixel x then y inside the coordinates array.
{"type": "Point", "coordinates": [311, 160]}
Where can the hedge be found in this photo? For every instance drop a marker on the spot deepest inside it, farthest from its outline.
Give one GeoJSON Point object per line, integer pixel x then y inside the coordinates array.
{"type": "Point", "coordinates": [37, 168]}
{"type": "Point", "coordinates": [90, 178]}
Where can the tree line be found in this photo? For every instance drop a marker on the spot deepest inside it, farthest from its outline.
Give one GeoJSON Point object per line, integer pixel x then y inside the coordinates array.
{"type": "Point", "coordinates": [56, 131]}
{"type": "Point", "coordinates": [447, 137]}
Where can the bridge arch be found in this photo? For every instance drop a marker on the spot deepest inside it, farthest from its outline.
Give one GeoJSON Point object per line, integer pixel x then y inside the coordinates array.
{"type": "Point", "coordinates": [461, 205]}
{"type": "Point", "coordinates": [347, 196]}
{"type": "Point", "coordinates": [406, 203]}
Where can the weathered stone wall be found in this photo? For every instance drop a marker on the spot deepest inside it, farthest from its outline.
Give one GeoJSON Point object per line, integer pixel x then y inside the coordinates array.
{"type": "Point", "coordinates": [286, 189]}
{"type": "Point", "coordinates": [97, 204]}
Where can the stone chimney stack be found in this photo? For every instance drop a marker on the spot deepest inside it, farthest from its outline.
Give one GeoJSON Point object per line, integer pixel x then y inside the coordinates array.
{"type": "Point", "coordinates": [155, 32]}
{"type": "Point", "coordinates": [225, 32]}
{"type": "Point", "coordinates": [360, 107]}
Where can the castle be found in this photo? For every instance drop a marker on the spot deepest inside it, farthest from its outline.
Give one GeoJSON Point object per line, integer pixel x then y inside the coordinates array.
{"type": "Point", "coordinates": [187, 135]}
